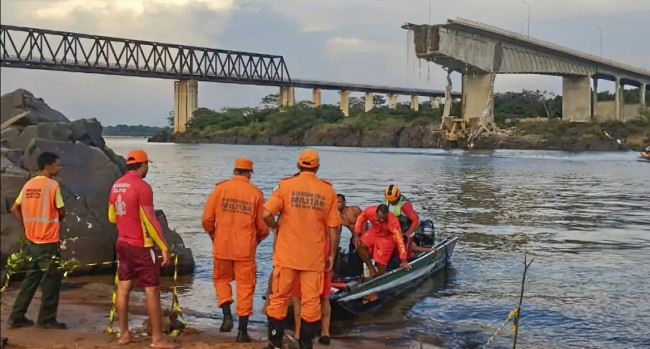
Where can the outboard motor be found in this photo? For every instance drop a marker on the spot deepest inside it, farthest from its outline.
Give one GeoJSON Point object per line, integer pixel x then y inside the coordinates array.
{"type": "Point", "coordinates": [427, 235]}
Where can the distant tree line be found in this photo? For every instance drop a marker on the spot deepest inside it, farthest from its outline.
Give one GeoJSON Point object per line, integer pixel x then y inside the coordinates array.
{"type": "Point", "coordinates": [135, 131]}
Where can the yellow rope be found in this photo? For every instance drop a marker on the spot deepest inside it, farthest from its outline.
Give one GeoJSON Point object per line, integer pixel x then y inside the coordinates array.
{"type": "Point", "coordinates": [513, 313]}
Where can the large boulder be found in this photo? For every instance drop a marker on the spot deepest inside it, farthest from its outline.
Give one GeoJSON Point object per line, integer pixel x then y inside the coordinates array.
{"type": "Point", "coordinates": [22, 108]}
{"type": "Point", "coordinates": [88, 170]}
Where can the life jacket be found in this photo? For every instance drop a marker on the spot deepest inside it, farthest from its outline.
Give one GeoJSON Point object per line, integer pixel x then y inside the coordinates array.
{"type": "Point", "coordinates": [404, 221]}
{"type": "Point", "coordinates": [40, 215]}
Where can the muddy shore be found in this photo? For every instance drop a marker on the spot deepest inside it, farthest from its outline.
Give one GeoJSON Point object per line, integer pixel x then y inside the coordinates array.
{"type": "Point", "coordinates": [85, 304]}
{"type": "Point", "coordinates": [547, 136]}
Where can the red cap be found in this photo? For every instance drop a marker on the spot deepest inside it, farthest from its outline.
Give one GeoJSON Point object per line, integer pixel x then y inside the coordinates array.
{"type": "Point", "coordinates": [308, 159]}
{"type": "Point", "coordinates": [136, 156]}
{"type": "Point", "coordinates": [244, 164]}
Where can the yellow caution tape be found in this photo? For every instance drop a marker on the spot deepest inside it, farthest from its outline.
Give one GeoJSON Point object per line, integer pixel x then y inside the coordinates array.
{"type": "Point", "coordinates": [16, 259]}
{"type": "Point", "coordinates": [511, 315]}
{"type": "Point", "coordinates": [176, 309]}
{"type": "Point", "coordinates": [111, 315]}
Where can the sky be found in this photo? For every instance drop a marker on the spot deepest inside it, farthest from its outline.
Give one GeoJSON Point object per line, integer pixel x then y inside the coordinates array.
{"type": "Point", "coordinates": [356, 41]}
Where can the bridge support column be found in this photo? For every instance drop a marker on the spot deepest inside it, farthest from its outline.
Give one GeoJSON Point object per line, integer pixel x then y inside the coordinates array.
{"type": "Point", "coordinates": [369, 101]}
{"type": "Point", "coordinates": [186, 101]}
{"type": "Point", "coordinates": [618, 99]}
{"type": "Point", "coordinates": [315, 97]}
{"type": "Point", "coordinates": [415, 104]}
{"type": "Point", "coordinates": [642, 95]}
{"type": "Point", "coordinates": [287, 97]}
{"type": "Point", "coordinates": [435, 102]}
{"type": "Point", "coordinates": [576, 98]}
{"type": "Point", "coordinates": [392, 101]}
{"type": "Point", "coordinates": [476, 97]}
{"type": "Point", "coordinates": [344, 103]}
{"type": "Point", "coordinates": [594, 99]}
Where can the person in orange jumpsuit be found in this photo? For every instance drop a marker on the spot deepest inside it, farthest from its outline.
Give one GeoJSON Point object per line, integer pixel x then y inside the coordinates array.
{"type": "Point", "coordinates": [308, 216]}
{"type": "Point", "coordinates": [380, 239]}
{"type": "Point", "coordinates": [233, 219]}
{"type": "Point", "coordinates": [326, 308]}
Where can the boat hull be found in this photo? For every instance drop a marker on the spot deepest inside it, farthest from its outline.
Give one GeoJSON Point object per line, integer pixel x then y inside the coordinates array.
{"type": "Point", "coordinates": [368, 297]}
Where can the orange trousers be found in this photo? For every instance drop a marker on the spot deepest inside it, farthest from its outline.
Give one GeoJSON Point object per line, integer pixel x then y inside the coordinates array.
{"type": "Point", "coordinates": [243, 273]}
{"type": "Point", "coordinates": [311, 286]}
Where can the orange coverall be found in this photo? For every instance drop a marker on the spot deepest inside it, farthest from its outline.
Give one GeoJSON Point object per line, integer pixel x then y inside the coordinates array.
{"type": "Point", "coordinates": [233, 218]}
{"type": "Point", "coordinates": [307, 207]}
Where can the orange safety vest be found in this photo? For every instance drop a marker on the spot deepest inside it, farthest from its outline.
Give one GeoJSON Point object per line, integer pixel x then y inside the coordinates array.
{"type": "Point", "coordinates": [38, 206]}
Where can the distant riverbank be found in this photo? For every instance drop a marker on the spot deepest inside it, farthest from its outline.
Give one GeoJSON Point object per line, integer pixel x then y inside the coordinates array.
{"type": "Point", "coordinates": [542, 135]}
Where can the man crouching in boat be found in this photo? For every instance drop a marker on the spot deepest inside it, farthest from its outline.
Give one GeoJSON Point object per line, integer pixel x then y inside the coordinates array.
{"type": "Point", "coordinates": [408, 219]}
{"type": "Point", "coordinates": [381, 239]}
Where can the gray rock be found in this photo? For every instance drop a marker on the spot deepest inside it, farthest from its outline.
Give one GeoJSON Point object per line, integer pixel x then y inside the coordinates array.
{"type": "Point", "coordinates": [9, 136]}
{"type": "Point", "coordinates": [88, 170]}
{"type": "Point", "coordinates": [88, 131]}
{"type": "Point", "coordinates": [175, 243]}
{"type": "Point", "coordinates": [56, 131]}
{"type": "Point", "coordinates": [35, 110]}
{"type": "Point", "coordinates": [15, 156]}
{"type": "Point", "coordinates": [12, 183]}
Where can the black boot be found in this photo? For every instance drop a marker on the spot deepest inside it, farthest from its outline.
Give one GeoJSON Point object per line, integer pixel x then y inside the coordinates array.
{"type": "Point", "coordinates": [242, 336]}
{"type": "Point", "coordinates": [227, 324]}
{"type": "Point", "coordinates": [308, 332]}
{"type": "Point", "coordinates": [276, 333]}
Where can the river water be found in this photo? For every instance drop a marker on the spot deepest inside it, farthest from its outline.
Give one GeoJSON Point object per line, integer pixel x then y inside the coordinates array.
{"type": "Point", "coordinates": [583, 217]}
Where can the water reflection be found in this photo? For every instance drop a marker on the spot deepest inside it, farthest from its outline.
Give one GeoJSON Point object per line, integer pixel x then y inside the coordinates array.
{"type": "Point", "coordinates": [583, 217]}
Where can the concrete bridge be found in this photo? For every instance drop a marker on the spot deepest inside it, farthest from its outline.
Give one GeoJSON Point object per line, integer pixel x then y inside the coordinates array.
{"type": "Point", "coordinates": [479, 52]}
{"type": "Point", "coordinates": [32, 48]}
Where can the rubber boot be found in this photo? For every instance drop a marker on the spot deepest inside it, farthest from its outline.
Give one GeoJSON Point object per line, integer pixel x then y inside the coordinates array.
{"type": "Point", "coordinates": [227, 324]}
{"type": "Point", "coordinates": [276, 333]}
{"type": "Point", "coordinates": [308, 332]}
{"type": "Point", "coordinates": [242, 335]}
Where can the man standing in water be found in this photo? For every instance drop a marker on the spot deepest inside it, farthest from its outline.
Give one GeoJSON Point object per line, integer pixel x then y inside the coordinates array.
{"type": "Point", "coordinates": [308, 215]}
{"type": "Point", "coordinates": [39, 209]}
{"type": "Point", "coordinates": [233, 218]}
{"type": "Point", "coordinates": [131, 209]}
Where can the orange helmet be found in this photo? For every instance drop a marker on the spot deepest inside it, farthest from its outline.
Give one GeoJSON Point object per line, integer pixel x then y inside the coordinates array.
{"type": "Point", "coordinates": [392, 193]}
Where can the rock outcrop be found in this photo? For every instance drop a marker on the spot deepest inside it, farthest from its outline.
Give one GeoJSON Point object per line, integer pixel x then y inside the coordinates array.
{"type": "Point", "coordinates": [88, 169]}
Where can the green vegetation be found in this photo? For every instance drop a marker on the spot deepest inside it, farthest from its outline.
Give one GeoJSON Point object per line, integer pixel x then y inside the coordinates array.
{"type": "Point", "coordinates": [325, 124]}
{"type": "Point", "coordinates": [270, 120]}
{"type": "Point", "coordinates": [134, 131]}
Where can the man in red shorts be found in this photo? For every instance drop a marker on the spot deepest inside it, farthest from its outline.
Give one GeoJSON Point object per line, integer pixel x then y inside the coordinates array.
{"type": "Point", "coordinates": [326, 308]}
{"type": "Point", "coordinates": [131, 209]}
{"type": "Point", "coordinates": [380, 239]}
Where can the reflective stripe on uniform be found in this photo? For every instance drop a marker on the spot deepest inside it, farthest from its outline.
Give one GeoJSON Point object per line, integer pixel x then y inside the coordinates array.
{"type": "Point", "coordinates": [44, 216]}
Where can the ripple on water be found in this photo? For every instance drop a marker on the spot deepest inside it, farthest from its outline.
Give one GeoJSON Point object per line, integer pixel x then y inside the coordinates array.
{"type": "Point", "coordinates": [582, 216]}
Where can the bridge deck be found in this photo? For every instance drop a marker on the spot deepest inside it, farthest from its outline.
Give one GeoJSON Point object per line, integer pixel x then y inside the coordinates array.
{"type": "Point", "coordinates": [32, 48]}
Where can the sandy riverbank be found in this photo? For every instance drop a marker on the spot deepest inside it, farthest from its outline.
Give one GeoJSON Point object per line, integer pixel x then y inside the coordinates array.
{"type": "Point", "coordinates": [84, 308]}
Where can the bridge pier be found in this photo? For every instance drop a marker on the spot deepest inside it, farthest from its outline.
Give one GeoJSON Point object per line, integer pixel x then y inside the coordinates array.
{"type": "Point", "coordinates": [594, 99]}
{"type": "Point", "coordinates": [618, 99]}
{"type": "Point", "coordinates": [186, 101]}
{"type": "Point", "coordinates": [315, 97]}
{"type": "Point", "coordinates": [345, 109]}
{"type": "Point", "coordinates": [576, 98]}
{"type": "Point", "coordinates": [477, 92]}
{"type": "Point", "coordinates": [642, 95]}
{"type": "Point", "coordinates": [369, 101]}
{"type": "Point", "coordinates": [435, 102]}
{"type": "Point", "coordinates": [392, 101]}
{"type": "Point", "coordinates": [287, 97]}
{"type": "Point", "coordinates": [415, 105]}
